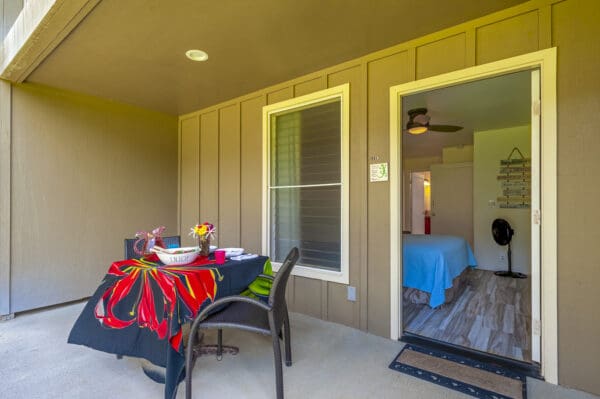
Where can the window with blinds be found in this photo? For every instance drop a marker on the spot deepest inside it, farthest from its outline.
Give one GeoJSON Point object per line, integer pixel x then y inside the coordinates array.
{"type": "Point", "coordinates": [305, 189]}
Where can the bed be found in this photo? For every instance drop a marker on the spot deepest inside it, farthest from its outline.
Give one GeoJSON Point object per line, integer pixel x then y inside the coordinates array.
{"type": "Point", "coordinates": [433, 267]}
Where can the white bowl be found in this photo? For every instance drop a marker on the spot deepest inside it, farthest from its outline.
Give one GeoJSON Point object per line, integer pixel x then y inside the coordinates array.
{"type": "Point", "coordinates": [229, 252]}
{"type": "Point", "coordinates": [187, 255]}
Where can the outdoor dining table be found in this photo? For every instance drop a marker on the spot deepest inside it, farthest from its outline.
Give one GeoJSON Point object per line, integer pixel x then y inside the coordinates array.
{"type": "Point", "coordinates": [141, 305]}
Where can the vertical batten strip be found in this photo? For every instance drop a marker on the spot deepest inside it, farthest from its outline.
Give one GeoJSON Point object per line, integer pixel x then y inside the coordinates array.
{"type": "Point", "coordinates": [199, 170]}
{"type": "Point", "coordinates": [363, 296]}
{"type": "Point", "coordinates": [470, 47]}
{"type": "Point", "coordinates": [239, 199]}
{"type": "Point", "coordinates": [411, 63]}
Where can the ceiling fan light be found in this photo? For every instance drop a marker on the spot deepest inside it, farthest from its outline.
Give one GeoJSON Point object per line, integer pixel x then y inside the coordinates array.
{"type": "Point", "coordinates": [417, 129]}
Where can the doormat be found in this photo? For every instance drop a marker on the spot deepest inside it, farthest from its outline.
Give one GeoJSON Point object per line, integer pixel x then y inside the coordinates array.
{"type": "Point", "coordinates": [459, 373]}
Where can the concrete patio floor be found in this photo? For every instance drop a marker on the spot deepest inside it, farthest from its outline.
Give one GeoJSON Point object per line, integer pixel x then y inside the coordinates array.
{"type": "Point", "coordinates": [330, 361]}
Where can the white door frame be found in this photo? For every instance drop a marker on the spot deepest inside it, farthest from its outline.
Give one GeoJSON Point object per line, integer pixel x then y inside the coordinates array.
{"type": "Point", "coordinates": [545, 60]}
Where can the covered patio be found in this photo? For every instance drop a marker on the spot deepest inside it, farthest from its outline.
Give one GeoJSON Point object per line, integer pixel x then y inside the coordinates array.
{"type": "Point", "coordinates": [106, 129]}
{"type": "Point", "coordinates": [330, 361]}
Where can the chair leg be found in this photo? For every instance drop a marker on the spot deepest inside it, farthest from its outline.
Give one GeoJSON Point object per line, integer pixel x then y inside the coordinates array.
{"type": "Point", "coordinates": [189, 363]}
{"type": "Point", "coordinates": [220, 344]}
{"type": "Point", "coordinates": [287, 342]}
{"type": "Point", "coordinates": [278, 367]}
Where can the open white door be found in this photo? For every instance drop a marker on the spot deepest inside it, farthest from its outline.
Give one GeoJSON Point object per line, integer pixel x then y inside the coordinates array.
{"type": "Point", "coordinates": [536, 327]}
{"type": "Point", "coordinates": [417, 189]}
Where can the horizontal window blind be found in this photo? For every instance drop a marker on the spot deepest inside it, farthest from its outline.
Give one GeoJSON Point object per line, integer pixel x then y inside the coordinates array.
{"type": "Point", "coordinates": [305, 185]}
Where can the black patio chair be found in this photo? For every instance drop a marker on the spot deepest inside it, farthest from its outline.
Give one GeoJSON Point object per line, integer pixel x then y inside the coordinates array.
{"type": "Point", "coordinates": [171, 241]}
{"type": "Point", "coordinates": [252, 315]}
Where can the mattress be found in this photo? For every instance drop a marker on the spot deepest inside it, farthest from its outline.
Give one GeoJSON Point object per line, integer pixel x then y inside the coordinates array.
{"type": "Point", "coordinates": [432, 262]}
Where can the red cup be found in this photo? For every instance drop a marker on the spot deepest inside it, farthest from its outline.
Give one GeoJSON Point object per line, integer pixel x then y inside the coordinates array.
{"type": "Point", "coordinates": [220, 256]}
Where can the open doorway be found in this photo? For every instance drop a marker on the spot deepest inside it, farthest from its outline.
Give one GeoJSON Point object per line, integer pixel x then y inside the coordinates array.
{"type": "Point", "coordinates": [420, 204]}
{"type": "Point", "coordinates": [467, 158]}
{"type": "Point", "coordinates": [477, 150]}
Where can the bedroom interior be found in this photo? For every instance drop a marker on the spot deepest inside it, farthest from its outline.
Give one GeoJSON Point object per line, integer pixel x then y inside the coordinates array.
{"type": "Point", "coordinates": [455, 184]}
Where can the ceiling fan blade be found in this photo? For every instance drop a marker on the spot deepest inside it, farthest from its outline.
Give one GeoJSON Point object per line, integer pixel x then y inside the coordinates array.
{"type": "Point", "coordinates": [445, 128]}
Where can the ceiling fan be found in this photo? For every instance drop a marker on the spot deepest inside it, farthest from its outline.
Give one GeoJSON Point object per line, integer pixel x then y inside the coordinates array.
{"type": "Point", "coordinates": [418, 123]}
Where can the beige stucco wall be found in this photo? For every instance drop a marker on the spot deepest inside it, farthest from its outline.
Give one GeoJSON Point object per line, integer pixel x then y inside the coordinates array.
{"type": "Point", "coordinates": [571, 25]}
{"type": "Point", "coordinates": [86, 173]}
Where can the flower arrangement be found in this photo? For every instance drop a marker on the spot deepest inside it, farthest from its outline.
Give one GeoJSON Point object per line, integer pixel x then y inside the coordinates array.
{"type": "Point", "coordinates": [204, 233]}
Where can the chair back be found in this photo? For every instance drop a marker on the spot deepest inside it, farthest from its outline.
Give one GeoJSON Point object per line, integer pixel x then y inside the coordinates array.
{"type": "Point", "coordinates": [170, 241]}
{"type": "Point", "coordinates": [277, 295]}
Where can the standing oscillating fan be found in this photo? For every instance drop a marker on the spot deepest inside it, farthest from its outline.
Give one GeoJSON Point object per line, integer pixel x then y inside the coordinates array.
{"type": "Point", "coordinates": [503, 233]}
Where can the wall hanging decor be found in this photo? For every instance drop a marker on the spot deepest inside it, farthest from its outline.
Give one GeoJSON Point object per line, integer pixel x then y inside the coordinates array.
{"type": "Point", "coordinates": [514, 176]}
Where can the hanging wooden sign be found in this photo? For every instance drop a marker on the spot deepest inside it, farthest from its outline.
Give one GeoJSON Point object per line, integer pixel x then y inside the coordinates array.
{"type": "Point", "coordinates": [514, 176]}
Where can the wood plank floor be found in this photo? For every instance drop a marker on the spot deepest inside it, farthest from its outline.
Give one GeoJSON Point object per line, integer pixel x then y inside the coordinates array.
{"type": "Point", "coordinates": [493, 314]}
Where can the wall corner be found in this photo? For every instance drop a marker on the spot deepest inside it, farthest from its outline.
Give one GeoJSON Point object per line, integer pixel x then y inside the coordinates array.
{"type": "Point", "coordinates": [5, 194]}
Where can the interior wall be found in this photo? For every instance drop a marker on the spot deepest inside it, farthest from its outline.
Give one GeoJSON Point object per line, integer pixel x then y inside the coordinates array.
{"type": "Point", "coordinates": [86, 173]}
{"type": "Point", "coordinates": [572, 26]}
{"type": "Point", "coordinates": [490, 147]}
{"type": "Point", "coordinates": [457, 154]}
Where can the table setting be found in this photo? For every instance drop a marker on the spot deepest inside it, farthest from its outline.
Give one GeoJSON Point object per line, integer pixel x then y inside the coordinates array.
{"type": "Point", "coordinates": [142, 303]}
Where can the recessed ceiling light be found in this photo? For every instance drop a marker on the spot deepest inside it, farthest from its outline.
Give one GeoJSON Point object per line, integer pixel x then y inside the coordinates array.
{"type": "Point", "coordinates": [196, 55]}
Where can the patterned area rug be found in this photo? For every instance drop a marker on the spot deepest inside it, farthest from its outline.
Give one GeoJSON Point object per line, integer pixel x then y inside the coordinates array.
{"type": "Point", "coordinates": [473, 378]}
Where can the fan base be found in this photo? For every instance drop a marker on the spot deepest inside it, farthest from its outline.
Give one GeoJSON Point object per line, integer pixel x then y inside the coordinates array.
{"type": "Point", "coordinates": [506, 273]}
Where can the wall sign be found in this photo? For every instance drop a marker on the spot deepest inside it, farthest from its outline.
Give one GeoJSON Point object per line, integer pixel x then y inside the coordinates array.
{"type": "Point", "coordinates": [514, 176]}
{"type": "Point", "coordinates": [378, 172]}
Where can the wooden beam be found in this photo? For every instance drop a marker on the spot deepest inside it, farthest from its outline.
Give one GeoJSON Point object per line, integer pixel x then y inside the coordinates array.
{"type": "Point", "coordinates": [38, 30]}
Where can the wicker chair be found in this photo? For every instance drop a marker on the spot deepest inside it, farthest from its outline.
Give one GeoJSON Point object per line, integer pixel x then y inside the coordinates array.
{"type": "Point", "coordinates": [171, 241]}
{"type": "Point", "coordinates": [250, 315]}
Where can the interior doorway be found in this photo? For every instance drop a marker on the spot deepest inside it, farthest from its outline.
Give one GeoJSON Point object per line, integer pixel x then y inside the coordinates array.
{"type": "Point", "coordinates": [420, 203]}
{"type": "Point", "coordinates": [543, 335]}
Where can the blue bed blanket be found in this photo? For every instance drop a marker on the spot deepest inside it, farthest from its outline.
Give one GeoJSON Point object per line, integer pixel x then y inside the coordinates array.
{"type": "Point", "coordinates": [431, 262]}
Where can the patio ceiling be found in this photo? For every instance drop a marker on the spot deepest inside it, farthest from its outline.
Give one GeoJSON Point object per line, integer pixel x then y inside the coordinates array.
{"type": "Point", "coordinates": [133, 51]}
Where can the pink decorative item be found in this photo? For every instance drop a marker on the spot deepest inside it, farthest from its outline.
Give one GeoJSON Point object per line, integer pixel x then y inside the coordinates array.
{"type": "Point", "coordinates": [146, 240]}
{"type": "Point", "coordinates": [220, 256]}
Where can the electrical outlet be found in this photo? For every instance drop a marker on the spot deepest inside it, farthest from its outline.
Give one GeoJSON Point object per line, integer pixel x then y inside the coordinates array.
{"type": "Point", "coordinates": [351, 293]}
{"type": "Point", "coordinates": [502, 257]}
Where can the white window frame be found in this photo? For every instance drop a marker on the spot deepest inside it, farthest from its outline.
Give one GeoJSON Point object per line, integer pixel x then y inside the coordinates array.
{"type": "Point", "coordinates": [342, 93]}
